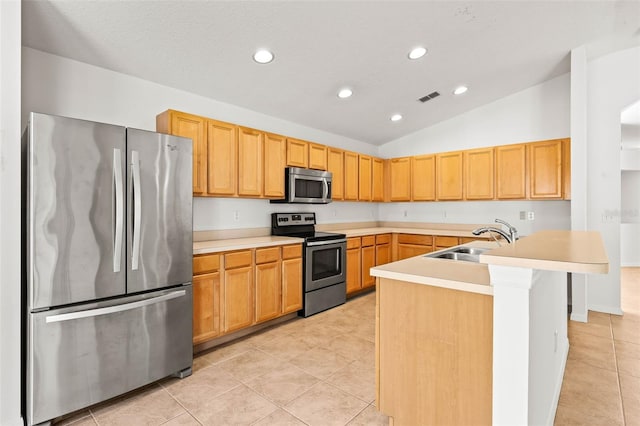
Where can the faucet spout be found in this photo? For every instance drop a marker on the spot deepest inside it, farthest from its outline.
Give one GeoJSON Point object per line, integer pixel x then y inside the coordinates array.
{"type": "Point", "coordinates": [513, 232]}
{"type": "Point", "coordinates": [484, 229]}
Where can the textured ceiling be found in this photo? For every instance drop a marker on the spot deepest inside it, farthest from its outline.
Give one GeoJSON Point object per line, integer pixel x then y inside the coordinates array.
{"type": "Point", "coordinates": [205, 47]}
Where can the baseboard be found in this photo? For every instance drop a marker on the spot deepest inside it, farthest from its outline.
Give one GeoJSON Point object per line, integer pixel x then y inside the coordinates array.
{"type": "Point", "coordinates": [556, 392]}
{"type": "Point", "coordinates": [579, 317]}
{"type": "Point", "coordinates": [615, 310]}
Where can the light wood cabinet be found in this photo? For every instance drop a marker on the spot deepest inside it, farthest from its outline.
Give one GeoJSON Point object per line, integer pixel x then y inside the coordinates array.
{"type": "Point", "coordinates": [511, 171]}
{"type": "Point", "coordinates": [383, 249]}
{"type": "Point", "coordinates": [250, 162]}
{"type": "Point", "coordinates": [545, 169]}
{"type": "Point", "coordinates": [335, 164]}
{"type": "Point", "coordinates": [297, 153]}
{"type": "Point", "coordinates": [291, 278]}
{"type": "Point", "coordinates": [222, 144]}
{"type": "Point", "coordinates": [317, 156]}
{"type": "Point", "coordinates": [364, 177]}
{"type": "Point", "coordinates": [238, 291]}
{"type": "Point", "coordinates": [350, 176]}
{"type": "Point", "coordinates": [189, 126]}
{"type": "Point", "coordinates": [268, 284]}
{"type": "Point", "coordinates": [423, 178]}
{"type": "Point", "coordinates": [275, 160]}
{"type": "Point", "coordinates": [449, 176]}
{"type": "Point", "coordinates": [377, 179]}
{"type": "Point", "coordinates": [207, 308]}
{"type": "Point", "coordinates": [367, 260]}
{"type": "Point", "coordinates": [353, 265]}
{"type": "Point", "coordinates": [479, 174]}
{"type": "Point", "coordinates": [443, 242]}
{"type": "Point", "coordinates": [410, 245]}
{"type": "Point", "coordinates": [400, 179]}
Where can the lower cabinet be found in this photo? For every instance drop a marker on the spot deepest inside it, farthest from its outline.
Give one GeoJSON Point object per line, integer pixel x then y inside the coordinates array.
{"type": "Point", "coordinates": [353, 265]}
{"type": "Point", "coordinates": [291, 278]}
{"type": "Point", "coordinates": [238, 291]}
{"type": "Point", "coordinates": [206, 307]}
{"type": "Point", "coordinates": [268, 284]}
{"type": "Point", "coordinates": [368, 260]}
{"type": "Point", "coordinates": [383, 249]}
{"type": "Point", "coordinates": [410, 245]}
{"type": "Point", "coordinates": [363, 253]}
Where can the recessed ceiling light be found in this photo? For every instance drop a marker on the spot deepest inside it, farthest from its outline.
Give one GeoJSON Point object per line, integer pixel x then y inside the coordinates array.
{"type": "Point", "coordinates": [417, 52]}
{"type": "Point", "coordinates": [263, 56]}
{"type": "Point", "coordinates": [396, 117]}
{"type": "Point", "coordinates": [345, 93]}
{"type": "Point", "coordinates": [460, 90]}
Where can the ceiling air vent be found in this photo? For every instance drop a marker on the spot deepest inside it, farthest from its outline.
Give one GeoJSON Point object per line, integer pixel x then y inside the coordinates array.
{"type": "Point", "coordinates": [428, 97]}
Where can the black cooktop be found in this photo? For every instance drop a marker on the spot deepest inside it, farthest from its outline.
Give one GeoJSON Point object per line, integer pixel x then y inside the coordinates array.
{"type": "Point", "coordinates": [301, 225]}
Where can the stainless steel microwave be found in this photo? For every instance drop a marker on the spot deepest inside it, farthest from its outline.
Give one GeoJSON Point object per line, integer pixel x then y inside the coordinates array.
{"type": "Point", "coordinates": [306, 186]}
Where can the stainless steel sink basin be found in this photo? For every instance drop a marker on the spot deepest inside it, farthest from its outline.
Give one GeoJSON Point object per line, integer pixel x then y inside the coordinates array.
{"type": "Point", "coordinates": [467, 254]}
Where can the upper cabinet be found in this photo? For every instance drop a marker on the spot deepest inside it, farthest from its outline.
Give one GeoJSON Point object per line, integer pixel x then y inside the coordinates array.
{"type": "Point", "coordinates": [423, 178]}
{"type": "Point", "coordinates": [297, 153]}
{"type": "Point", "coordinates": [479, 174]}
{"type": "Point", "coordinates": [511, 171]}
{"type": "Point", "coordinates": [317, 156]}
{"type": "Point", "coordinates": [194, 127]}
{"type": "Point", "coordinates": [350, 176]}
{"type": "Point", "coordinates": [449, 176]}
{"type": "Point", "coordinates": [400, 179]}
{"type": "Point", "coordinates": [335, 164]}
{"type": "Point", "coordinates": [545, 169]}
{"type": "Point", "coordinates": [364, 177]}
{"type": "Point", "coordinates": [377, 180]}
{"type": "Point", "coordinates": [275, 160]}
{"type": "Point", "coordinates": [222, 145]}
{"type": "Point", "coordinates": [250, 162]}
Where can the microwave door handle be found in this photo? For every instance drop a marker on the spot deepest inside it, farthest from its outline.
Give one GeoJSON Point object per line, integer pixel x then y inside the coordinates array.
{"type": "Point", "coordinates": [326, 189]}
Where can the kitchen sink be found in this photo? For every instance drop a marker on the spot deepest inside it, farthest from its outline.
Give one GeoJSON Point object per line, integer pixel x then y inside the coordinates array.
{"type": "Point", "coordinates": [467, 254]}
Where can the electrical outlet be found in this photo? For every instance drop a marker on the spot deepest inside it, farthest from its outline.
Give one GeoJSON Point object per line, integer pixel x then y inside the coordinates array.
{"type": "Point", "coordinates": [405, 213]}
{"type": "Point", "coordinates": [530, 216]}
{"type": "Point", "coordinates": [236, 215]}
{"type": "Point", "coordinates": [523, 215]}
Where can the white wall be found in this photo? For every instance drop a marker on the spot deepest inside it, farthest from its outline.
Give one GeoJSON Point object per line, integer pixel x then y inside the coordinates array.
{"type": "Point", "coordinates": [537, 113]}
{"type": "Point", "coordinates": [10, 41]}
{"type": "Point", "coordinates": [630, 207]}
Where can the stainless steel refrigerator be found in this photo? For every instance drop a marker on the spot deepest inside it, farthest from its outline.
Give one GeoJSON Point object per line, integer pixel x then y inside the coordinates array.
{"type": "Point", "coordinates": [107, 262]}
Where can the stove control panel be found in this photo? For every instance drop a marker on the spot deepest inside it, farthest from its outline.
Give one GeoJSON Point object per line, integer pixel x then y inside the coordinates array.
{"type": "Point", "coordinates": [292, 219]}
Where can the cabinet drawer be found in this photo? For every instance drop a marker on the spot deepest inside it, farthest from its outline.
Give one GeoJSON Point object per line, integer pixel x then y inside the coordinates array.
{"type": "Point", "coordinates": [369, 240]}
{"type": "Point", "coordinates": [383, 238]}
{"type": "Point", "coordinates": [426, 240]}
{"type": "Point", "coordinates": [465, 240]}
{"type": "Point", "coordinates": [442, 241]}
{"type": "Point", "coordinates": [291, 252]}
{"type": "Point", "coordinates": [264, 255]}
{"type": "Point", "coordinates": [237, 259]}
{"type": "Point", "coordinates": [353, 242]}
{"type": "Point", "coordinates": [203, 264]}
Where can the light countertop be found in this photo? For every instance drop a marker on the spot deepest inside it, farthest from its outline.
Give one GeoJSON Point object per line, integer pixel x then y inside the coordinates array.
{"type": "Point", "coordinates": [215, 246]}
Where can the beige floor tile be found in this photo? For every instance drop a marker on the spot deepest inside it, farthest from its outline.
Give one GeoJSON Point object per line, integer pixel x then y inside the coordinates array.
{"type": "Point", "coordinates": [320, 362]}
{"type": "Point", "coordinates": [279, 418]}
{"type": "Point", "coordinates": [283, 384]}
{"type": "Point", "coordinates": [182, 420]}
{"type": "Point", "coordinates": [574, 415]}
{"type": "Point", "coordinates": [227, 351]}
{"type": "Point", "coordinates": [594, 390]}
{"type": "Point", "coordinates": [151, 406]}
{"type": "Point", "coordinates": [285, 347]}
{"type": "Point", "coordinates": [250, 364]}
{"type": "Point", "coordinates": [352, 347]}
{"type": "Point", "coordinates": [73, 418]}
{"type": "Point", "coordinates": [316, 335]}
{"type": "Point", "coordinates": [593, 350]}
{"type": "Point", "coordinates": [630, 388]}
{"type": "Point", "coordinates": [325, 405]}
{"type": "Point", "coordinates": [201, 387]}
{"type": "Point", "coordinates": [357, 379]}
{"type": "Point", "coordinates": [595, 329]}
{"type": "Point", "coordinates": [628, 356]}
{"type": "Point", "coordinates": [239, 406]}
{"type": "Point", "coordinates": [370, 416]}
{"type": "Point", "coordinates": [626, 329]}
{"type": "Point", "coordinates": [599, 318]}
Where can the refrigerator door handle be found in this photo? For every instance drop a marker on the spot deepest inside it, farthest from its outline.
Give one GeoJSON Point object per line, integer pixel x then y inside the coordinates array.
{"type": "Point", "coordinates": [114, 309]}
{"type": "Point", "coordinates": [119, 210]}
{"type": "Point", "coordinates": [137, 209]}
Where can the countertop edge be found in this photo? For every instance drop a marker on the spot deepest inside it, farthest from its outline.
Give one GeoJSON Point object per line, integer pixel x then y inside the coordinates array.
{"type": "Point", "coordinates": [435, 282]}
{"type": "Point", "coordinates": [217, 246]}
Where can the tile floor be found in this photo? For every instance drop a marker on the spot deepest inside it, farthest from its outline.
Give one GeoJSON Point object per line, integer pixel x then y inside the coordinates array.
{"type": "Point", "coordinates": [320, 371]}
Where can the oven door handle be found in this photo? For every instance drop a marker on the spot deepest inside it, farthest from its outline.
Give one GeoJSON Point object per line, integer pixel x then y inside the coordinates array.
{"type": "Point", "coordinates": [326, 243]}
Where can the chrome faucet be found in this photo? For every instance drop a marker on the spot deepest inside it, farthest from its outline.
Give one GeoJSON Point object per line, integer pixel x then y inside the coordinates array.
{"type": "Point", "coordinates": [511, 236]}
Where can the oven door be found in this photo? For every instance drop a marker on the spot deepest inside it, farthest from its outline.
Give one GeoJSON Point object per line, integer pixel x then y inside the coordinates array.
{"type": "Point", "coordinates": [325, 264]}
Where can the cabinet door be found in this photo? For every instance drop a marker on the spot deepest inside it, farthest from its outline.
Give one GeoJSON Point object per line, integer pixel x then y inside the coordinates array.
{"type": "Point", "coordinates": [479, 174]}
{"type": "Point", "coordinates": [275, 160]}
{"type": "Point", "coordinates": [400, 179]}
{"type": "Point", "coordinates": [317, 156]}
{"type": "Point", "coordinates": [449, 176]}
{"type": "Point", "coordinates": [238, 298]}
{"type": "Point", "coordinates": [194, 127]}
{"type": "Point", "coordinates": [545, 169]}
{"type": "Point", "coordinates": [222, 144]}
{"type": "Point", "coordinates": [249, 162]}
{"type": "Point", "coordinates": [335, 164]}
{"type": "Point", "coordinates": [268, 287]}
{"type": "Point", "coordinates": [411, 250]}
{"type": "Point", "coordinates": [511, 172]}
{"type": "Point", "coordinates": [364, 178]}
{"type": "Point", "coordinates": [383, 254]}
{"type": "Point", "coordinates": [566, 169]}
{"type": "Point", "coordinates": [206, 307]}
{"type": "Point", "coordinates": [350, 175]}
{"type": "Point", "coordinates": [353, 270]}
{"type": "Point", "coordinates": [291, 285]}
{"type": "Point", "coordinates": [297, 153]}
{"type": "Point", "coordinates": [423, 178]}
{"type": "Point", "coordinates": [368, 261]}
{"type": "Point", "coordinates": [377, 179]}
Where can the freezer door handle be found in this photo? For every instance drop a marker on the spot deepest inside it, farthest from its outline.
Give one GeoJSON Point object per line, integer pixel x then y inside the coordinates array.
{"type": "Point", "coordinates": [119, 210]}
{"type": "Point", "coordinates": [137, 209]}
{"type": "Point", "coordinates": [114, 309]}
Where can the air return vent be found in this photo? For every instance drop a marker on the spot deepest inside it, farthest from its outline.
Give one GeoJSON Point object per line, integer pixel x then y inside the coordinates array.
{"type": "Point", "coordinates": [428, 97]}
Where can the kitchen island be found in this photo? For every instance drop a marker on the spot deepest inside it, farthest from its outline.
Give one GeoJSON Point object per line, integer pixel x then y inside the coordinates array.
{"type": "Point", "coordinates": [479, 343]}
